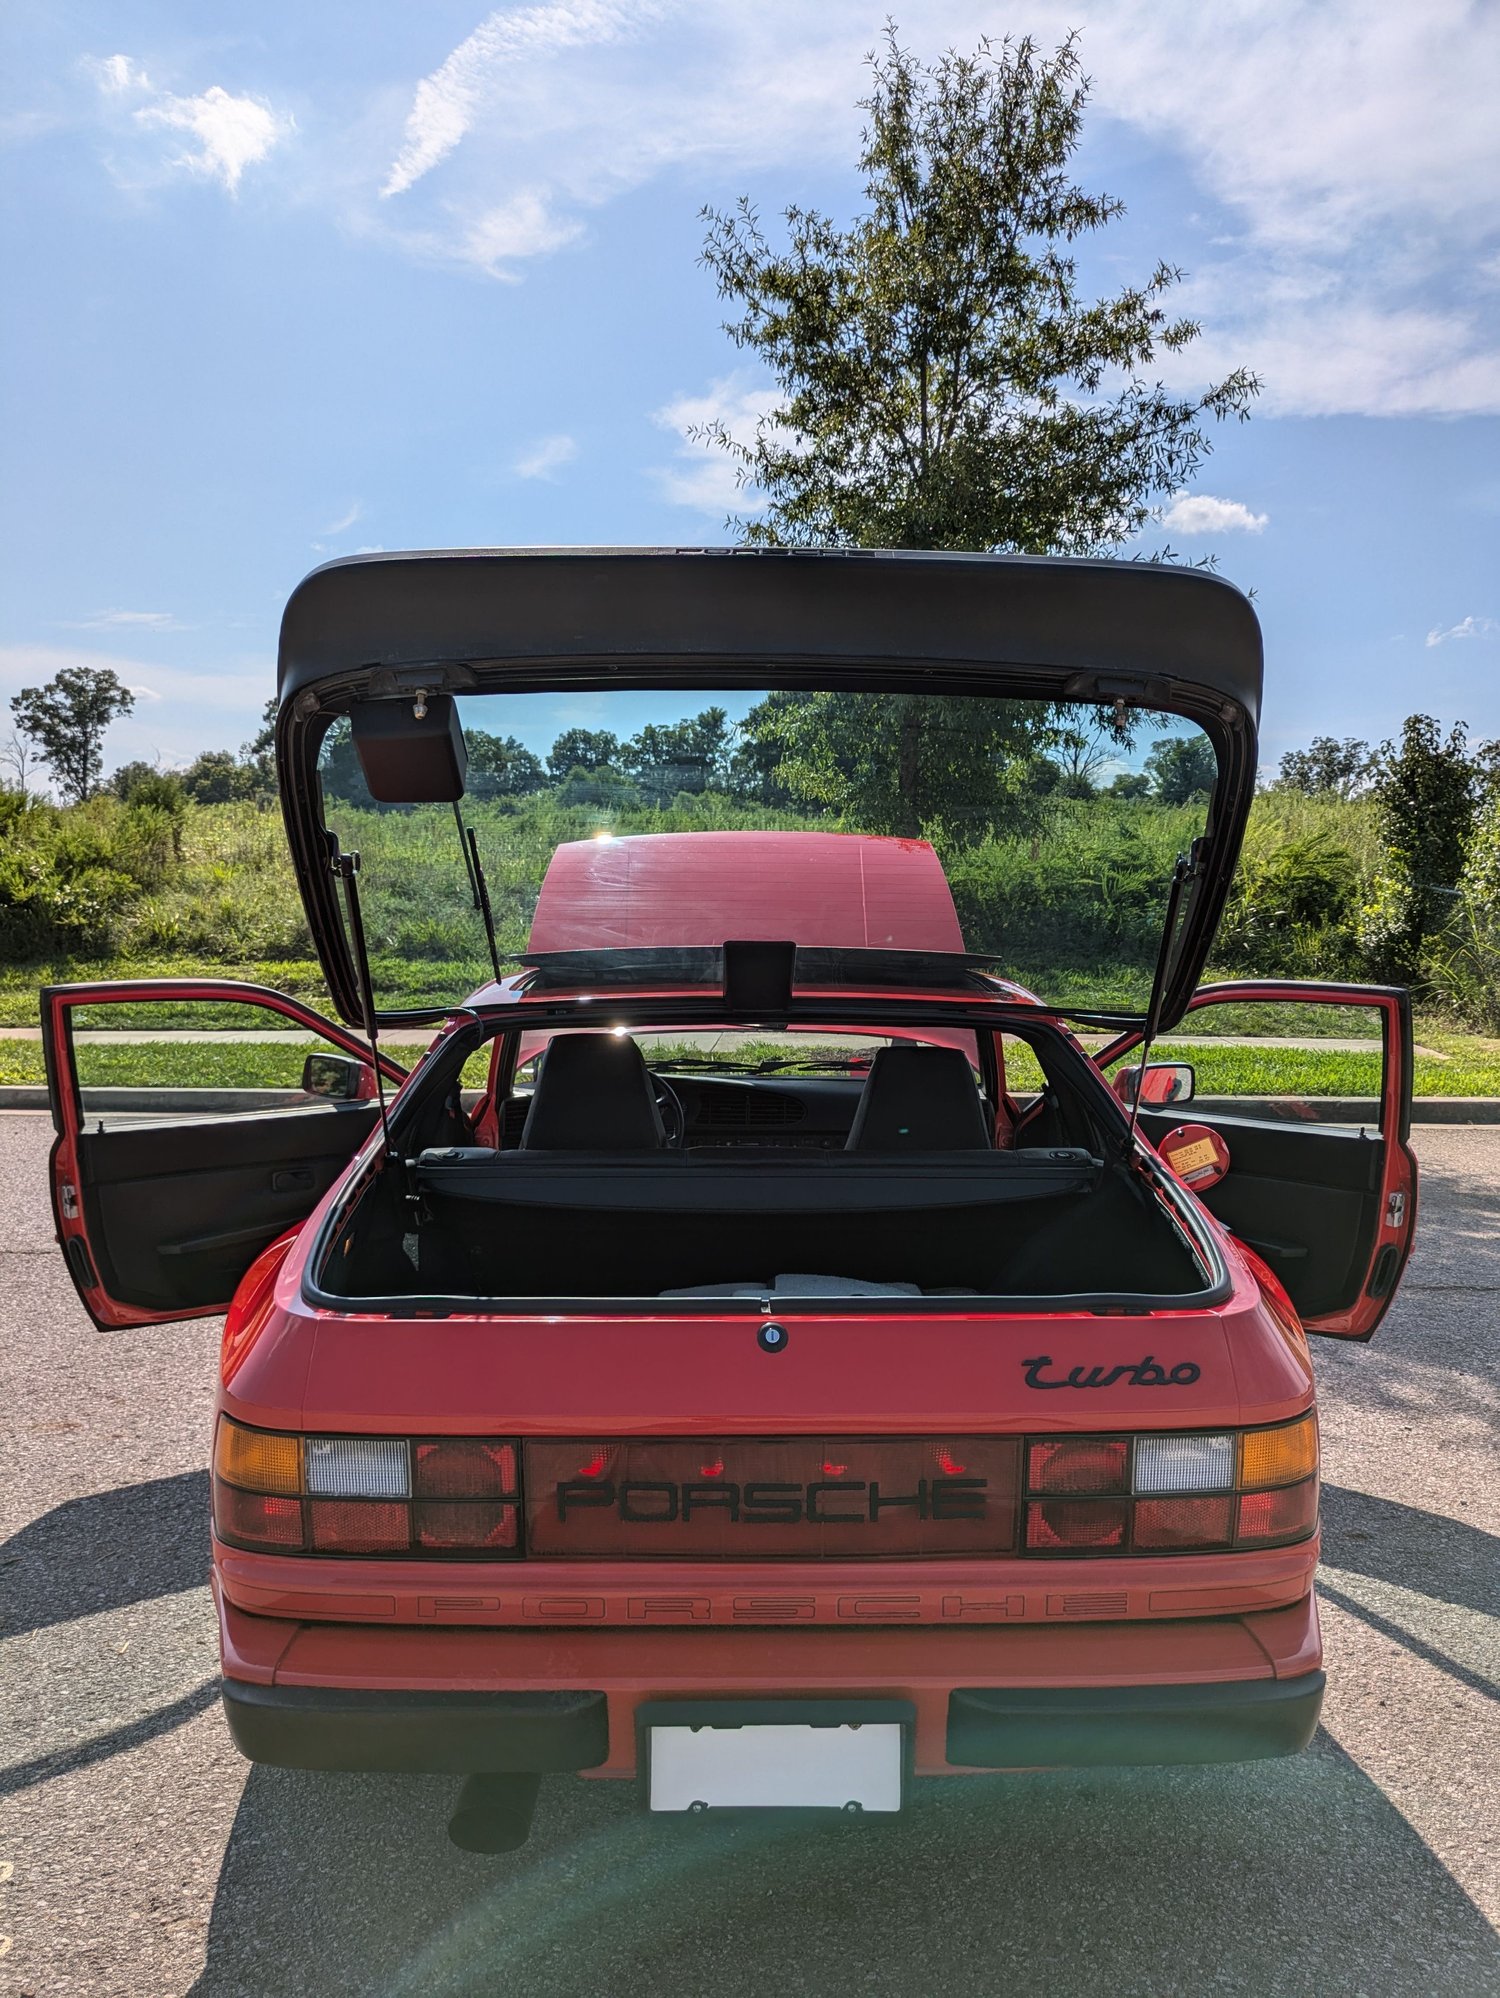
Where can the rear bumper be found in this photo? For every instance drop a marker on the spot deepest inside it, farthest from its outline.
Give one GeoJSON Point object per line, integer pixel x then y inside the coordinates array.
{"type": "Point", "coordinates": [461, 1734]}
{"type": "Point", "coordinates": [326, 1696]}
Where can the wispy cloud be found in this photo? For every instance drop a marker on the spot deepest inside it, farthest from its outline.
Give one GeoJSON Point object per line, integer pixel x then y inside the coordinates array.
{"type": "Point", "coordinates": [229, 133]}
{"type": "Point", "coordinates": [1469, 627]}
{"type": "Point", "coordinates": [125, 620]}
{"type": "Point", "coordinates": [524, 226]}
{"type": "Point", "coordinates": [704, 475]}
{"type": "Point", "coordinates": [545, 458]}
{"type": "Point", "coordinates": [1201, 513]}
{"type": "Point", "coordinates": [452, 97]}
{"type": "Point", "coordinates": [353, 512]}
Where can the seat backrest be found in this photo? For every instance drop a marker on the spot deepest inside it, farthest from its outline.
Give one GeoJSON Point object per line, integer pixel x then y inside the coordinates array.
{"type": "Point", "coordinates": [919, 1099]}
{"type": "Point", "coordinates": [593, 1094]}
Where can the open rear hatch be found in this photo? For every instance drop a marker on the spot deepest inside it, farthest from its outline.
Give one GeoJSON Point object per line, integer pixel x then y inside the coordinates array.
{"type": "Point", "coordinates": [979, 677]}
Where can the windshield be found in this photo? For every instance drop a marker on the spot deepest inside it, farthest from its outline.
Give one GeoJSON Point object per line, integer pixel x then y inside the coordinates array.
{"type": "Point", "coordinates": [1038, 834]}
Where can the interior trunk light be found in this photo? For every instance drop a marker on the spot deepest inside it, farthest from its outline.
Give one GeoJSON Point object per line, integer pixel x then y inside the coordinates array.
{"type": "Point", "coordinates": [1280, 1456]}
{"type": "Point", "coordinates": [373, 1467]}
{"type": "Point", "coordinates": [1078, 1464]}
{"type": "Point", "coordinates": [1184, 1464]}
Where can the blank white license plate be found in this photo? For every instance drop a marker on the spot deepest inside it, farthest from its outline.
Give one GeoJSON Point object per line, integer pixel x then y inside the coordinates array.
{"type": "Point", "coordinates": [776, 1766]}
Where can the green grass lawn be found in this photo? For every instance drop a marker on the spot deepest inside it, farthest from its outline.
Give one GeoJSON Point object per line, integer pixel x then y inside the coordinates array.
{"type": "Point", "coordinates": [1462, 1065]}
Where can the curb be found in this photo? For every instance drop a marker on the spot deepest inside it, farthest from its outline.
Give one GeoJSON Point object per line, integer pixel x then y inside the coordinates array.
{"type": "Point", "coordinates": [1277, 1109]}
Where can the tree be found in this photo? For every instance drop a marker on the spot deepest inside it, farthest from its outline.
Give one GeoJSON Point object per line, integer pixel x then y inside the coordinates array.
{"type": "Point", "coordinates": [501, 766]}
{"type": "Point", "coordinates": [67, 719]}
{"type": "Point", "coordinates": [942, 378]}
{"type": "Point", "coordinates": [1426, 796]}
{"type": "Point", "coordinates": [17, 755]}
{"type": "Point", "coordinates": [1327, 768]}
{"type": "Point", "coordinates": [141, 783]}
{"type": "Point", "coordinates": [690, 755]}
{"type": "Point", "coordinates": [581, 749]}
{"type": "Point", "coordinates": [1181, 768]}
{"type": "Point", "coordinates": [907, 763]}
{"type": "Point", "coordinates": [217, 777]}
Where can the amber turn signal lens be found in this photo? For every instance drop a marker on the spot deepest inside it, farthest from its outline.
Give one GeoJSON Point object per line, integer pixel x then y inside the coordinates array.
{"type": "Point", "coordinates": [258, 1461]}
{"type": "Point", "coordinates": [1280, 1456]}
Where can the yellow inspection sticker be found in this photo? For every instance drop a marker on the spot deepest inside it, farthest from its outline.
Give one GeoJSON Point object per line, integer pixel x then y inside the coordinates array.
{"type": "Point", "coordinates": [1191, 1157]}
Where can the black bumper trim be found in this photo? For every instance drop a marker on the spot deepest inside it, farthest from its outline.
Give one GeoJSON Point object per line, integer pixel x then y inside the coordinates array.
{"type": "Point", "coordinates": [417, 1733]}
{"type": "Point", "coordinates": [1035, 1727]}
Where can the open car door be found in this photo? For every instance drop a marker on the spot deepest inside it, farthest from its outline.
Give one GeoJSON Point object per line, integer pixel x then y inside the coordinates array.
{"type": "Point", "coordinates": [196, 1121]}
{"type": "Point", "coordinates": [1321, 1182]}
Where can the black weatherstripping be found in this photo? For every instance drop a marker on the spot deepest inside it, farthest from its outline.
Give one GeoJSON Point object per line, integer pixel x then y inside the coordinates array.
{"type": "Point", "coordinates": [387, 627]}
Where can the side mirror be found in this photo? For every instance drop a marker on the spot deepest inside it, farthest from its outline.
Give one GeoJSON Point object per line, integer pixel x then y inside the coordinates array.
{"type": "Point", "coordinates": [338, 1078]}
{"type": "Point", "coordinates": [1158, 1084]}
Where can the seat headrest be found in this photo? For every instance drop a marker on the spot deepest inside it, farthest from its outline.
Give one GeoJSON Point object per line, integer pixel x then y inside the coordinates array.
{"type": "Point", "coordinates": [919, 1099]}
{"type": "Point", "coordinates": [593, 1094]}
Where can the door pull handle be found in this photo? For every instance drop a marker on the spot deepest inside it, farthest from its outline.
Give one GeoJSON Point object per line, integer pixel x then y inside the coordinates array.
{"type": "Point", "coordinates": [294, 1179]}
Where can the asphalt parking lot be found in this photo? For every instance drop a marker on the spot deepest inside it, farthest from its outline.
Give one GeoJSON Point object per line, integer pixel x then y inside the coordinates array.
{"type": "Point", "coordinates": [138, 1855]}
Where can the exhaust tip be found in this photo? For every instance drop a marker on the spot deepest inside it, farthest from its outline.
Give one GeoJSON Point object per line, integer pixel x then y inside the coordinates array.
{"type": "Point", "coordinates": [494, 1813]}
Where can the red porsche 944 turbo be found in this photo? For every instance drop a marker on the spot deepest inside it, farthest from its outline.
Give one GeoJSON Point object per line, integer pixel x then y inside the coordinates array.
{"type": "Point", "coordinates": [784, 1337]}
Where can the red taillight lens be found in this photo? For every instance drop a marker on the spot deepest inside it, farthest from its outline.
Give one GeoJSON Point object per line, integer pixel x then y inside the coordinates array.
{"type": "Point", "coordinates": [256, 1519]}
{"type": "Point", "coordinates": [1170, 1523]}
{"type": "Point", "coordinates": [1078, 1464]}
{"type": "Point", "coordinates": [360, 1526]}
{"type": "Point", "coordinates": [459, 1525]}
{"type": "Point", "coordinates": [460, 1467]}
{"type": "Point", "coordinates": [1268, 1517]}
{"type": "Point", "coordinates": [1068, 1526]}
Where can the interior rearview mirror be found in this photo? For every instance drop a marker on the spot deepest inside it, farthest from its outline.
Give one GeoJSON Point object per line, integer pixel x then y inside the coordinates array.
{"type": "Point", "coordinates": [1159, 1084]}
{"type": "Point", "coordinates": [338, 1078]}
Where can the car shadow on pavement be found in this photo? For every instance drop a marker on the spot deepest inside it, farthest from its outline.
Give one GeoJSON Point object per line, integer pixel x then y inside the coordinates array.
{"type": "Point", "coordinates": [1401, 1544]}
{"type": "Point", "coordinates": [103, 1552]}
{"type": "Point", "coordinates": [1271, 1878]}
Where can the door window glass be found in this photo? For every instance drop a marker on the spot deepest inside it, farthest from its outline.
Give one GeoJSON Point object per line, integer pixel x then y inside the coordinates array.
{"type": "Point", "coordinates": [182, 1057]}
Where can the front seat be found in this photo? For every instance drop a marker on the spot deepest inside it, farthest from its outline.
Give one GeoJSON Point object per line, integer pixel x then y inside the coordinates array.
{"type": "Point", "coordinates": [919, 1099]}
{"type": "Point", "coordinates": [593, 1094]}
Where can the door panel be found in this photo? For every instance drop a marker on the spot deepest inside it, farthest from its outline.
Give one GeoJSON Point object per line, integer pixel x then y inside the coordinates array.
{"type": "Point", "coordinates": [1330, 1207]}
{"type": "Point", "coordinates": [164, 1196]}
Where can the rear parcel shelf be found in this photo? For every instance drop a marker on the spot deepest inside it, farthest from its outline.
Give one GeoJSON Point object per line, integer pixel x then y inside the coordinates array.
{"type": "Point", "coordinates": [712, 1180]}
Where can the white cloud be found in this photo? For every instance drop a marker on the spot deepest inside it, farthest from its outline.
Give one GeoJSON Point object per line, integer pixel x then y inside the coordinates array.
{"type": "Point", "coordinates": [353, 512]}
{"type": "Point", "coordinates": [448, 101]}
{"type": "Point", "coordinates": [1469, 627]}
{"type": "Point", "coordinates": [1201, 513]}
{"type": "Point", "coordinates": [705, 476]}
{"type": "Point", "coordinates": [116, 74]}
{"type": "Point", "coordinates": [521, 227]}
{"type": "Point", "coordinates": [144, 693]}
{"type": "Point", "coordinates": [128, 620]}
{"type": "Point", "coordinates": [1344, 155]}
{"type": "Point", "coordinates": [232, 132]}
{"type": "Point", "coordinates": [545, 457]}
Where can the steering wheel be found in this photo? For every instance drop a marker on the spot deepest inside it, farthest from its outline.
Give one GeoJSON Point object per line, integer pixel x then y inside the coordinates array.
{"type": "Point", "coordinates": [673, 1115]}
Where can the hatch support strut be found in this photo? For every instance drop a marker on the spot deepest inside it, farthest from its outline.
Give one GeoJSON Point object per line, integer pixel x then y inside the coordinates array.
{"type": "Point", "coordinates": [1189, 867]}
{"type": "Point", "coordinates": [346, 870]}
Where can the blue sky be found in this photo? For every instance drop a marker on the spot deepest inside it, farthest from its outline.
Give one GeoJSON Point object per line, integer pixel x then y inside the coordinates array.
{"type": "Point", "coordinates": [285, 283]}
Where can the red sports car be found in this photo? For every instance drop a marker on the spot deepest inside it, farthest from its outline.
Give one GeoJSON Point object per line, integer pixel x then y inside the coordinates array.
{"type": "Point", "coordinates": [762, 1350]}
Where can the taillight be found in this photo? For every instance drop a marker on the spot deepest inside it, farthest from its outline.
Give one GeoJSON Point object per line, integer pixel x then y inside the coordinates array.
{"type": "Point", "coordinates": [1187, 1492]}
{"type": "Point", "coordinates": [455, 1496]}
